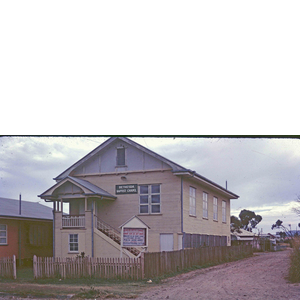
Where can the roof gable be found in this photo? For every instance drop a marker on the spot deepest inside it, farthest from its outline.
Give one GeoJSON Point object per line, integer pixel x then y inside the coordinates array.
{"type": "Point", "coordinates": [138, 158]}
{"type": "Point", "coordinates": [103, 159]}
{"type": "Point", "coordinates": [74, 187]}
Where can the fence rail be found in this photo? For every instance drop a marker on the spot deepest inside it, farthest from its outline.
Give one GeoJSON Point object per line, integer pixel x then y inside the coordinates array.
{"type": "Point", "coordinates": [8, 267]}
{"type": "Point", "coordinates": [160, 263]}
{"type": "Point", "coordinates": [149, 265]}
{"type": "Point", "coordinates": [108, 268]}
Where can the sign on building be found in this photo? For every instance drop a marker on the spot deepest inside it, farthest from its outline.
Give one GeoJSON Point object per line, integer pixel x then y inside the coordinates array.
{"type": "Point", "coordinates": [134, 233]}
{"type": "Point", "coordinates": [127, 189]}
{"type": "Point", "coordinates": [134, 237]}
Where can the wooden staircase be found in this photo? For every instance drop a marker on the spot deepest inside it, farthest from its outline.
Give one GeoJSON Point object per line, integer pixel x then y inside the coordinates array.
{"type": "Point", "coordinates": [113, 234]}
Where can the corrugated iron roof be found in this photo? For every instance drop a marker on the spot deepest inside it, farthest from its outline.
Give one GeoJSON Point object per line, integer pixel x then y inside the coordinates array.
{"type": "Point", "coordinates": [29, 210]}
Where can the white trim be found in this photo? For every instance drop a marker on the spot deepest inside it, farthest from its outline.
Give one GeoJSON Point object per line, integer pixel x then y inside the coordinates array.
{"type": "Point", "coordinates": [224, 211]}
{"type": "Point", "coordinates": [205, 205]}
{"type": "Point", "coordinates": [192, 198]}
{"type": "Point", "coordinates": [69, 248]}
{"type": "Point", "coordinates": [215, 208]}
{"type": "Point", "coordinates": [5, 237]}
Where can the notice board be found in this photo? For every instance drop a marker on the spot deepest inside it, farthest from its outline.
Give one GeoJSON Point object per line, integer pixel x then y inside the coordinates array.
{"type": "Point", "coordinates": [134, 237]}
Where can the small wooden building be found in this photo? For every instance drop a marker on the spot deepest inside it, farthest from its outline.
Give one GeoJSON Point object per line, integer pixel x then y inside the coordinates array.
{"type": "Point", "coordinates": [26, 229]}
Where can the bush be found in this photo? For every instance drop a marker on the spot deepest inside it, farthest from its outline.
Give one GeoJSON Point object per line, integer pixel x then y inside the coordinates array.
{"type": "Point", "coordinates": [294, 270]}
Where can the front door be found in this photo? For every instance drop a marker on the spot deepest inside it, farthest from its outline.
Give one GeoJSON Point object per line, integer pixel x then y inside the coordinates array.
{"type": "Point", "coordinates": [166, 242]}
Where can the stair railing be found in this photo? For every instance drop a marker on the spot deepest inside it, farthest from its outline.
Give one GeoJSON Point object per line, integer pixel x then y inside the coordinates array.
{"type": "Point", "coordinates": [113, 233]}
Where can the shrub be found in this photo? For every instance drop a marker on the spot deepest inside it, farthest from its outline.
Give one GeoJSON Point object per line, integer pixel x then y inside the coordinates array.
{"type": "Point", "coordinates": [294, 269]}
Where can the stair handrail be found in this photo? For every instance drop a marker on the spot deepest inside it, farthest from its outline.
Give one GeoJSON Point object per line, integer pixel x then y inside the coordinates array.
{"type": "Point", "coordinates": [102, 225]}
{"type": "Point", "coordinates": [111, 232]}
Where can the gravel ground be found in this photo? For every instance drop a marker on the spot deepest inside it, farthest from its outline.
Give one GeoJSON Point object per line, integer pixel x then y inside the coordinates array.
{"type": "Point", "coordinates": [262, 276]}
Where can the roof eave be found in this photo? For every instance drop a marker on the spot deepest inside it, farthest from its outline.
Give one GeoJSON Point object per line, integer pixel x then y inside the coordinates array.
{"type": "Point", "coordinates": [24, 217]}
{"type": "Point", "coordinates": [190, 173]}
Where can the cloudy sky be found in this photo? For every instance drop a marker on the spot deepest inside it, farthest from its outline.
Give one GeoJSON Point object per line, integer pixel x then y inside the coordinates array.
{"type": "Point", "coordinates": [264, 172]}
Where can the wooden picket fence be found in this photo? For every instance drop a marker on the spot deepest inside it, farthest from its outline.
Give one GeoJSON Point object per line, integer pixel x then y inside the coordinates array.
{"type": "Point", "coordinates": [8, 267]}
{"type": "Point", "coordinates": [148, 265]}
{"type": "Point", "coordinates": [108, 268]}
{"type": "Point", "coordinates": [161, 263]}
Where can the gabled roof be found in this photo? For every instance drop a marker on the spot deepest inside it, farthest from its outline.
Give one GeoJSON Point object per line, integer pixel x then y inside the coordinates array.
{"type": "Point", "coordinates": [88, 188]}
{"type": "Point", "coordinates": [132, 218]}
{"type": "Point", "coordinates": [173, 165]}
{"type": "Point", "coordinates": [29, 210]}
{"type": "Point", "coordinates": [176, 168]}
{"type": "Point", "coordinates": [93, 188]}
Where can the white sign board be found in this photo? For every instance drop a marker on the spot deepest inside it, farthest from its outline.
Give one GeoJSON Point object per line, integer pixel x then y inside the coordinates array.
{"type": "Point", "coordinates": [134, 237]}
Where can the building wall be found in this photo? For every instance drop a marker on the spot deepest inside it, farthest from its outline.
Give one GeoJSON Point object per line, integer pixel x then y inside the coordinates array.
{"type": "Point", "coordinates": [198, 224]}
{"type": "Point", "coordinates": [12, 239]}
{"type": "Point", "coordinates": [36, 238]}
{"type": "Point", "coordinates": [116, 212]}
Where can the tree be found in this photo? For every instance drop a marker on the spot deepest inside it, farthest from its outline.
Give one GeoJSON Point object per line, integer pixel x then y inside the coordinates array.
{"type": "Point", "coordinates": [249, 217]}
{"type": "Point", "coordinates": [235, 224]}
{"type": "Point", "coordinates": [279, 225]}
{"type": "Point", "coordinates": [247, 220]}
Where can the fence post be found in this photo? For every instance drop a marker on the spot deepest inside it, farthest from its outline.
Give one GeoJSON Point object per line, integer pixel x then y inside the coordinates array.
{"type": "Point", "coordinates": [142, 264]}
{"type": "Point", "coordinates": [14, 267]}
{"type": "Point", "coordinates": [34, 267]}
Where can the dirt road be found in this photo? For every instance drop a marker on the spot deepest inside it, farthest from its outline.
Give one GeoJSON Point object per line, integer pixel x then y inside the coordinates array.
{"type": "Point", "coordinates": [258, 277]}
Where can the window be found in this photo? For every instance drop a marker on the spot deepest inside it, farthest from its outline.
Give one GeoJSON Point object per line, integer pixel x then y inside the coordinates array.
{"type": "Point", "coordinates": [215, 209]}
{"type": "Point", "coordinates": [205, 211]}
{"type": "Point", "coordinates": [3, 234]}
{"type": "Point", "coordinates": [73, 242]}
{"type": "Point", "coordinates": [192, 201]}
{"type": "Point", "coordinates": [121, 156]}
{"type": "Point", "coordinates": [224, 211]}
{"type": "Point", "coordinates": [150, 199]}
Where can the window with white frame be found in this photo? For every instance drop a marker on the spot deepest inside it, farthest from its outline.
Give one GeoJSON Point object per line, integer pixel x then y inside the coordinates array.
{"type": "Point", "coordinates": [215, 209]}
{"type": "Point", "coordinates": [3, 234]}
{"type": "Point", "coordinates": [192, 201]}
{"type": "Point", "coordinates": [150, 199]}
{"type": "Point", "coordinates": [73, 242]}
{"type": "Point", "coordinates": [224, 211]}
{"type": "Point", "coordinates": [205, 206]}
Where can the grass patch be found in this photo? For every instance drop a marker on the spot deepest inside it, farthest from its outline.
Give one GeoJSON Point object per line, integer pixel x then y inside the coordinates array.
{"type": "Point", "coordinates": [83, 288]}
{"type": "Point", "coordinates": [294, 268]}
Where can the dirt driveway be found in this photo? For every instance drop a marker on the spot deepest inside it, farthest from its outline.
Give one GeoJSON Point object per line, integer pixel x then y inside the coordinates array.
{"type": "Point", "coordinates": [258, 277]}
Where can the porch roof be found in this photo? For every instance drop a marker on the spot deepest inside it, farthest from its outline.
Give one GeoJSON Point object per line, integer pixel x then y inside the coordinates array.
{"type": "Point", "coordinates": [89, 189]}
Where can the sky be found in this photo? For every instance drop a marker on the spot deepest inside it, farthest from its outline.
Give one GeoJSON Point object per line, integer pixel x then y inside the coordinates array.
{"type": "Point", "coordinates": [264, 172]}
